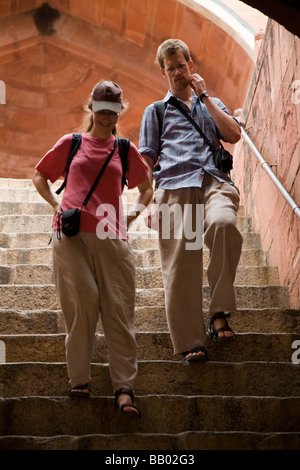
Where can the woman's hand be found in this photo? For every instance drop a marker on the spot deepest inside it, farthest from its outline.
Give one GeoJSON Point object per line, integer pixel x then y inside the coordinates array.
{"type": "Point", "coordinates": [130, 219]}
{"type": "Point", "coordinates": [56, 208]}
{"type": "Point", "coordinates": [43, 188]}
{"type": "Point", "coordinates": [142, 201]}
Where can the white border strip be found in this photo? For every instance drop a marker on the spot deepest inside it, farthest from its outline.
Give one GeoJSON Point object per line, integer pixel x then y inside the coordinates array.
{"type": "Point", "coordinates": [2, 352]}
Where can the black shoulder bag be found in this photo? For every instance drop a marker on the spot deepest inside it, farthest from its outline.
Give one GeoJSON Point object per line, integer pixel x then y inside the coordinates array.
{"type": "Point", "coordinates": [222, 158]}
{"type": "Point", "coordinates": [70, 219]}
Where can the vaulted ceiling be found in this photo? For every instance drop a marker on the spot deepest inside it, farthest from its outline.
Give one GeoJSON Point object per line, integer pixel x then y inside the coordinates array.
{"type": "Point", "coordinates": [51, 55]}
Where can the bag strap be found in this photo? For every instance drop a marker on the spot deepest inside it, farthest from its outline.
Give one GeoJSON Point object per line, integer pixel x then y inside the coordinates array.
{"type": "Point", "coordinates": [100, 173]}
{"type": "Point", "coordinates": [175, 103]}
{"type": "Point", "coordinates": [160, 107]}
{"type": "Point", "coordinates": [124, 145]}
{"type": "Point", "coordinates": [76, 140]}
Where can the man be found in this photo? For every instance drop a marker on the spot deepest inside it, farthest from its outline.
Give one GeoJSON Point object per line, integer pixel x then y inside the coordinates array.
{"type": "Point", "coordinates": [187, 177]}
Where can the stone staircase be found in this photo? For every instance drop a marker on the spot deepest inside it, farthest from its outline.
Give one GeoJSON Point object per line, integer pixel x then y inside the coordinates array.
{"type": "Point", "coordinates": [246, 397]}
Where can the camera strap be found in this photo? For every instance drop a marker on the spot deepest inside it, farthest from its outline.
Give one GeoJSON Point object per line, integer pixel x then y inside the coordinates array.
{"type": "Point", "coordinates": [177, 105]}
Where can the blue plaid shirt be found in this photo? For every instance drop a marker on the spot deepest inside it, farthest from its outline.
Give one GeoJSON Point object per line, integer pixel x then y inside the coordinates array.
{"type": "Point", "coordinates": [184, 156]}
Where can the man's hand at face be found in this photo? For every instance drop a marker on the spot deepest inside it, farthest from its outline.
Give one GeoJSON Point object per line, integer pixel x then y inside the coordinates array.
{"type": "Point", "coordinates": [197, 83]}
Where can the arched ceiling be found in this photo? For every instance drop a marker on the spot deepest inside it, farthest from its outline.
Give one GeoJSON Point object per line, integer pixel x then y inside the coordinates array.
{"type": "Point", "coordinates": [51, 55]}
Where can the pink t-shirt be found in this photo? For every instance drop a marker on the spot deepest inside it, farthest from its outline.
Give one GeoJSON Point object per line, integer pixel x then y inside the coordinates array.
{"type": "Point", "coordinates": [104, 211]}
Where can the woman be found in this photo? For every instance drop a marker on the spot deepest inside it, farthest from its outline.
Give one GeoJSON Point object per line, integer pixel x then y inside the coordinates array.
{"type": "Point", "coordinates": [94, 270]}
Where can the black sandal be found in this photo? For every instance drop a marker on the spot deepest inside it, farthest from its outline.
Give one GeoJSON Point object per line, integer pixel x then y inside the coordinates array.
{"type": "Point", "coordinates": [193, 356]}
{"type": "Point", "coordinates": [121, 408]}
{"type": "Point", "coordinates": [78, 391]}
{"type": "Point", "coordinates": [226, 327]}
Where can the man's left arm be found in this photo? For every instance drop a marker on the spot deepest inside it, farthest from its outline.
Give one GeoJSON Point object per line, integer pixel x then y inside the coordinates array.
{"type": "Point", "coordinates": [227, 126]}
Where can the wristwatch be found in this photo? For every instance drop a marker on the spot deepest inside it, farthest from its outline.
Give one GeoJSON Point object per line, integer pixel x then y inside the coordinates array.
{"type": "Point", "coordinates": [204, 94]}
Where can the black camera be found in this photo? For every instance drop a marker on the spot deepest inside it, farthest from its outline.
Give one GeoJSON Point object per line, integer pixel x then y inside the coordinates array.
{"type": "Point", "coordinates": [223, 159]}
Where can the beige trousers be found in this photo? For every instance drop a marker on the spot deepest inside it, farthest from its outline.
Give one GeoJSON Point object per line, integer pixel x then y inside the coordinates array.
{"type": "Point", "coordinates": [182, 266]}
{"type": "Point", "coordinates": [95, 276]}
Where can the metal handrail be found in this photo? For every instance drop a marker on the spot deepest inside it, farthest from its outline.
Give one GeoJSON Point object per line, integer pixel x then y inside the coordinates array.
{"type": "Point", "coordinates": [265, 165]}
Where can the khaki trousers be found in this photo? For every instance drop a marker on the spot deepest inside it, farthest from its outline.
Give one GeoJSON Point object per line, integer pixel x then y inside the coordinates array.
{"type": "Point", "coordinates": [182, 267]}
{"type": "Point", "coordinates": [95, 276]}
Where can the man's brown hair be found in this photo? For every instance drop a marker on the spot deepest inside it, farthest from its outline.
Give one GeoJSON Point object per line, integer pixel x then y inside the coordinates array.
{"type": "Point", "coordinates": [171, 47]}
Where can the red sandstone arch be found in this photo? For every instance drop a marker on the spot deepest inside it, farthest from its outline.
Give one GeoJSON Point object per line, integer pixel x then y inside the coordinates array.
{"type": "Point", "coordinates": [49, 76]}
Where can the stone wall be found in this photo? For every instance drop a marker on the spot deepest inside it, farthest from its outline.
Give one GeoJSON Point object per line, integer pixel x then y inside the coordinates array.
{"type": "Point", "coordinates": [272, 115]}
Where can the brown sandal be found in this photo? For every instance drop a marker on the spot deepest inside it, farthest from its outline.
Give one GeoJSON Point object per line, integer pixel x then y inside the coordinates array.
{"type": "Point", "coordinates": [78, 391]}
{"type": "Point", "coordinates": [121, 408]}
{"type": "Point", "coordinates": [198, 354]}
{"type": "Point", "coordinates": [226, 327]}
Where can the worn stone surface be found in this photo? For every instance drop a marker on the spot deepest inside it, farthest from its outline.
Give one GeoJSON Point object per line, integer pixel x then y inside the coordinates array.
{"type": "Point", "coordinates": [189, 440]}
{"type": "Point", "coordinates": [157, 345]}
{"type": "Point", "coordinates": [246, 397]}
{"type": "Point", "coordinates": [195, 413]}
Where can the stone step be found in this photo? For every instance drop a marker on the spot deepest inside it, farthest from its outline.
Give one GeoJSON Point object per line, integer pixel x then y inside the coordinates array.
{"type": "Point", "coordinates": [24, 240]}
{"type": "Point", "coordinates": [246, 297]}
{"type": "Point", "coordinates": [150, 257]}
{"type": "Point", "coordinates": [24, 208]}
{"type": "Point", "coordinates": [38, 207]}
{"type": "Point", "coordinates": [241, 379]}
{"type": "Point", "coordinates": [25, 256]}
{"type": "Point", "coordinates": [25, 223]}
{"type": "Point", "coordinates": [14, 190]}
{"type": "Point", "coordinates": [19, 183]}
{"type": "Point", "coordinates": [28, 356]}
{"type": "Point", "coordinates": [137, 240]}
{"type": "Point", "coordinates": [142, 240]}
{"type": "Point", "coordinates": [23, 190]}
{"type": "Point", "coordinates": [255, 385]}
{"type": "Point", "coordinates": [28, 201]}
{"type": "Point", "coordinates": [145, 277]}
{"type": "Point", "coordinates": [245, 275]}
{"type": "Point", "coordinates": [14, 182]}
{"type": "Point", "coordinates": [35, 297]}
{"type": "Point", "coordinates": [16, 223]}
{"type": "Point", "coordinates": [191, 440]}
{"type": "Point", "coordinates": [43, 416]}
{"type": "Point", "coordinates": [151, 319]}
{"type": "Point", "coordinates": [21, 193]}
{"type": "Point", "coordinates": [243, 224]}
{"type": "Point", "coordinates": [29, 297]}
{"type": "Point", "coordinates": [154, 346]}
{"type": "Point", "coordinates": [144, 258]}
{"type": "Point", "coordinates": [256, 320]}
